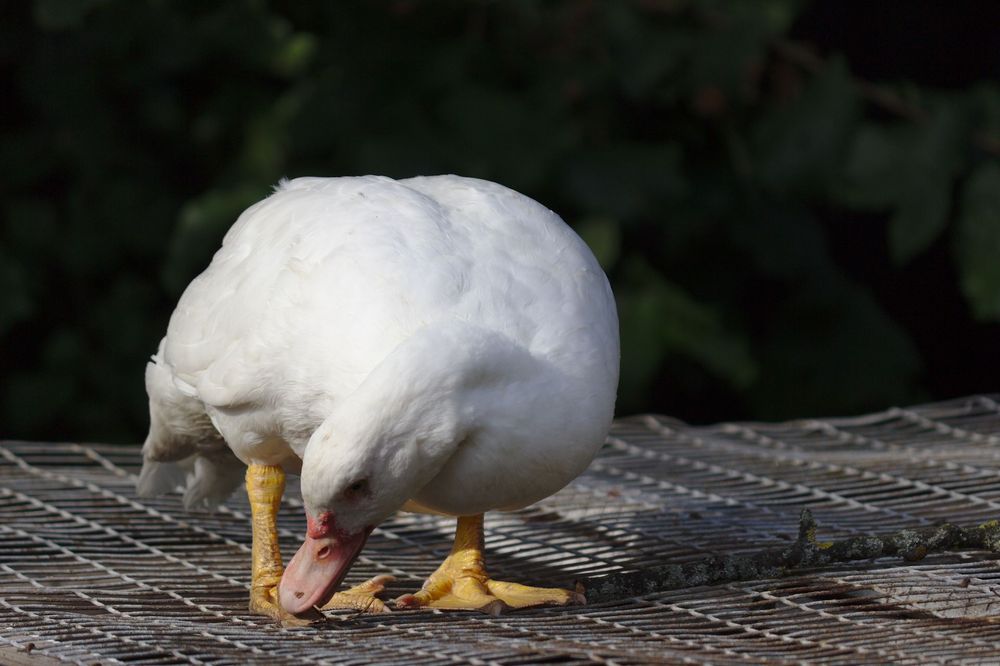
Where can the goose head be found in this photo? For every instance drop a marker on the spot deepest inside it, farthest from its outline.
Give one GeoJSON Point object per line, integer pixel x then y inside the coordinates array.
{"type": "Point", "coordinates": [388, 440]}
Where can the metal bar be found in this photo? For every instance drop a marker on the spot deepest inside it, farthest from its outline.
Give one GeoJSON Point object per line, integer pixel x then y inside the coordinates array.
{"type": "Point", "coordinates": [89, 572]}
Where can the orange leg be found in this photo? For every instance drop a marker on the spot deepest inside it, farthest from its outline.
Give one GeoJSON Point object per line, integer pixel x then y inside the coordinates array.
{"type": "Point", "coordinates": [461, 582]}
{"type": "Point", "coordinates": [362, 597]}
{"type": "Point", "coordinates": [265, 486]}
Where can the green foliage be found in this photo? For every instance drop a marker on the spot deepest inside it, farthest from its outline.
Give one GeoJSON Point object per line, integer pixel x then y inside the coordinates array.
{"type": "Point", "coordinates": [659, 318]}
{"type": "Point", "coordinates": [799, 144]}
{"type": "Point", "coordinates": [201, 224]}
{"type": "Point", "coordinates": [979, 241]}
{"type": "Point", "coordinates": [909, 169]}
{"type": "Point", "coordinates": [701, 166]}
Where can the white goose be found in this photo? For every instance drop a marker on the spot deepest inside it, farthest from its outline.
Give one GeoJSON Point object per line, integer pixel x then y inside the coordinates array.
{"type": "Point", "coordinates": [438, 344]}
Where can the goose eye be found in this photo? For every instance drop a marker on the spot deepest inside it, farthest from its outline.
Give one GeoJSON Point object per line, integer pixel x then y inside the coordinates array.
{"type": "Point", "coordinates": [359, 487]}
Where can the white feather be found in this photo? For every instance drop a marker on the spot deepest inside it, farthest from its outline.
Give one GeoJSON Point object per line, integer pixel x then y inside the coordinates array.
{"type": "Point", "coordinates": [450, 318]}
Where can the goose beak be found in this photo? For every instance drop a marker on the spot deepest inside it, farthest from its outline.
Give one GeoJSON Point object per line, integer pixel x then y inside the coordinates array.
{"type": "Point", "coordinates": [320, 564]}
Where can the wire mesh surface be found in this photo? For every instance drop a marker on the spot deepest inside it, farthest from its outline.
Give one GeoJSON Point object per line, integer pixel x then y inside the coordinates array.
{"type": "Point", "coordinates": [91, 574]}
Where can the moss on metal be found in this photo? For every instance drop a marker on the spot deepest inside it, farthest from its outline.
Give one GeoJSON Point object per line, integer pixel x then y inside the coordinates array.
{"type": "Point", "coordinates": [910, 544]}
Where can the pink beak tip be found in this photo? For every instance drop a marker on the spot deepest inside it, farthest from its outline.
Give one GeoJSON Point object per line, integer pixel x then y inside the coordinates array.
{"type": "Point", "coordinates": [316, 570]}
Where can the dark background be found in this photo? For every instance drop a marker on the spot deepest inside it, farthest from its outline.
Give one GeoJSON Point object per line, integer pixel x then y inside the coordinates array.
{"type": "Point", "coordinates": [798, 203]}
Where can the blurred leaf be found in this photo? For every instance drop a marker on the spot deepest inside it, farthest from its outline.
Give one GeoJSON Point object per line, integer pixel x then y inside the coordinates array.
{"type": "Point", "coordinates": [783, 242]}
{"type": "Point", "coordinates": [919, 218]}
{"type": "Point", "coordinates": [831, 349]}
{"type": "Point", "coordinates": [933, 158]}
{"type": "Point", "coordinates": [659, 318]}
{"type": "Point", "coordinates": [799, 145]}
{"type": "Point", "coordinates": [30, 225]}
{"type": "Point", "coordinates": [16, 304]}
{"type": "Point", "coordinates": [202, 224]}
{"type": "Point", "coordinates": [295, 54]}
{"type": "Point", "coordinates": [604, 237]}
{"type": "Point", "coordinates": [910, 169]}
{"type": "Point", "coordinates": [63, 14]}
{"type": "Point", "coordinates": [698, 165]}
{"type": "Point", "coordinates": [491, 131]}
{"type": "Point", "coordinates": [778, 15]}
{"type": "Point", "coordinates": [870, 178]}
{"type": "Point", "coordinates": [40, 396]}
{"type": "Point", "coordinates": [626, 180]}
{"type": "Point", "coordinates": [986, 98]}
{"type": "Point", "coordinates": [647, 55]}
{"type": "Point", "coordinates": [63, 350]}
{"type": "Point", "coordinates": [19, 170]}
{"type": "Point", "coordinates": [264, 147]}
{"type": "Point", "coordinates": [726, 55]}
{"type": "Point", "coordinates": [978, 241]}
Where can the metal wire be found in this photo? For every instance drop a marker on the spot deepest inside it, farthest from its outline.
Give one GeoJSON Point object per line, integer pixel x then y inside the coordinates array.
{"type": "Point", "coordinates": [91, 574]}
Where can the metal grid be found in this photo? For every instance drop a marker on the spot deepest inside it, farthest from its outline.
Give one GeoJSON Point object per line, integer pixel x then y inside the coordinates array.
{"type": "Point", "coordinates": [90, 574]}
